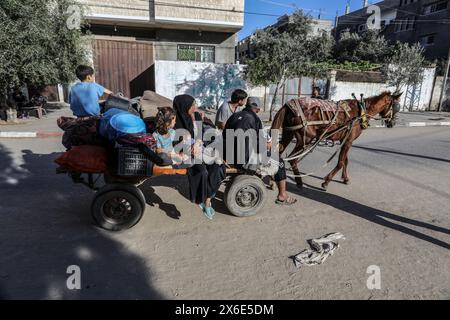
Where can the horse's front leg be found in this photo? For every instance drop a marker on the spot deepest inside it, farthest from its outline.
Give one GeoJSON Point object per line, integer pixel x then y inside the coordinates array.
{"type": "Point", "coordinates": [345, 177]}
{"type": "Point", "coordinates": [342, 156]}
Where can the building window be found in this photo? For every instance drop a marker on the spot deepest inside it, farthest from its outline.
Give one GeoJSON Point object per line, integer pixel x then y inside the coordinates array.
{"type": "Point", "coordinates": [406, 24]}
{"type": "Point", "coordinates": [406, 2]}
{"type": "Point", "coordinates": [435, 7]}
{"type": "Point", "coordinates": [427, 40]}
{"type": "Point", "coordinates": [188, 52]}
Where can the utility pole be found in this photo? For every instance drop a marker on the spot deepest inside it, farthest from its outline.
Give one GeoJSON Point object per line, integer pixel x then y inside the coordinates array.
{"type": "Point", "coordinates": [444, 83]}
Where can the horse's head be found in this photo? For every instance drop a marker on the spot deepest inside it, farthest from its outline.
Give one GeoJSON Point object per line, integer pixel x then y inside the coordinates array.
{"type": "Point", "coordinates": [392, 107]}
{"type": "Point", "coordinates": [387, 105]}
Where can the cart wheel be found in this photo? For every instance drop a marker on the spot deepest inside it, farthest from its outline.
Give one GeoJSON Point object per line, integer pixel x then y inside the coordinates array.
{"type": "Point", "coordinates": [245, 195]}
{"type": "Point", "coordinates": [116, 210]}
{"type": "Point", "coordinates": [124, 187]}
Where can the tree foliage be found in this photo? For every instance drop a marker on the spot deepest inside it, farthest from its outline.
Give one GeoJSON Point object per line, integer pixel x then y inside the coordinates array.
{"type": "Point", "coordinates": [370, 46]}
{"type": "Point", "coordinates": [37, 45]}
{"type": "Point", "coordinates": [291, 52]}
{"type": "Point", "coordinates": [405, 66]}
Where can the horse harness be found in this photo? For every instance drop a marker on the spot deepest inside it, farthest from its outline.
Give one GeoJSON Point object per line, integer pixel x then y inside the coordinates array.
{"type": "Point", "coordinates": [295, 106]}
{"type": "Point", "coordinates": [326, 119]}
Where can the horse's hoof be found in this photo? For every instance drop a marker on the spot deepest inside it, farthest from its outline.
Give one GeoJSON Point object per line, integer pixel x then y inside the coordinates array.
{"type": "Point", "coordinates": [347, 182]}
{"type": "Point", "coordinates": [325, 186]}
{"type": "Point", "coordinates": [300, 185]}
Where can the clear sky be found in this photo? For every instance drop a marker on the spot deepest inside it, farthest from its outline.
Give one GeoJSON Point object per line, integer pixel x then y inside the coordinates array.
{"type": "Point", "coordinates": [280, 7]}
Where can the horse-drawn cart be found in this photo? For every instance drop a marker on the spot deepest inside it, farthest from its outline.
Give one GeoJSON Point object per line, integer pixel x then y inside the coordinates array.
{"type": "Point", "coordinates": [120, 204]}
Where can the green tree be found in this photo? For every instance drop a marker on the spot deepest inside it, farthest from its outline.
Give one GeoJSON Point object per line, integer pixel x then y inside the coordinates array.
{"type": "Point", "coordinates": [41, 42]}
{"type": "Point", "coordinates": [291, 52]}
{"type": "Point", "coordinates": [405, 65]}
{"type": "Point", "coordinates": [370, 46]}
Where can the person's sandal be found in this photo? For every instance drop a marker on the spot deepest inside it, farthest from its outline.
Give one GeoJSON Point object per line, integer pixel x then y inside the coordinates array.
{"type": "Point", "coordinates": [288, 202]}
{"type": "Point", "coordinates": [207, 211]}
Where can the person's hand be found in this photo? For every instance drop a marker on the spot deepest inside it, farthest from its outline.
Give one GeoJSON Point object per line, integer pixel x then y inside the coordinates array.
{"type": "Point", "coordinates": [108, 92]}
{"type": "Point", "coordinates": [197, 147]}
{"type": "Point", "coordinates": [269, 145]}
{"type": "Point", "coordinates": [194, 149]}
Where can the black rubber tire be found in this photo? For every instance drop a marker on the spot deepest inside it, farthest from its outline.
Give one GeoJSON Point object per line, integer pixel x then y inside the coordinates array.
{"type": "Point", "coordinates": [245, 195]}
{"type": "Point", "coordinates": [105, 213]}
{"type": "Point", "coordinates": [125, 187]}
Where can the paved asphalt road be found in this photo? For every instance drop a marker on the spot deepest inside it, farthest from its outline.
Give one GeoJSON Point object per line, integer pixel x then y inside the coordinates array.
{"type": "Point", "coordinates": [395, 215]}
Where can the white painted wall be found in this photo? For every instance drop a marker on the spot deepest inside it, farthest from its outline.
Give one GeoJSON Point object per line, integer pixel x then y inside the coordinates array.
{"type": "Point", "coordinates": [340, 90]}
{"type": "Point", "coordinates": [211, 84]}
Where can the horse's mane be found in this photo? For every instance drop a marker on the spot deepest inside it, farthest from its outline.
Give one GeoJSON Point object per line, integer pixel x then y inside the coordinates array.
{"type": "Point", "coordinates": [377, 97]}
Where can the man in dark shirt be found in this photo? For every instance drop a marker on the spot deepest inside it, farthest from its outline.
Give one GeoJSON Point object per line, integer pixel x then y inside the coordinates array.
{"type": "Point", "coordinates": [248, 119]}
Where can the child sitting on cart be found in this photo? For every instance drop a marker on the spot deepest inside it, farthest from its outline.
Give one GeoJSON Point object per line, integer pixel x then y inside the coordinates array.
{"type": "Point", "coordinates": [165, 134]}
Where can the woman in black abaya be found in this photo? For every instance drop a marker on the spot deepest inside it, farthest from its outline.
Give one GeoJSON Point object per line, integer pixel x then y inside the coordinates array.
{"type": "Point", "coordinates": [204, 180]}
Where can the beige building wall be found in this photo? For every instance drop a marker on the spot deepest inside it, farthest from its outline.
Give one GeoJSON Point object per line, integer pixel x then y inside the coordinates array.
{"type": "Point", "coordinates": [223, 12]}
{"type": "Point", "coordinates": [119, 9]}
{"type": "Point", "coordinates": [176, 13]}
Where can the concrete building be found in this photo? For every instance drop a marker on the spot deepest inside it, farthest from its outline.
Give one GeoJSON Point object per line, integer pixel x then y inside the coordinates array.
{"type": "Point", "coordinates": [411, 21]}
{"type": "Point", "coordinates": [244, 48]}
{"type": "Point", "coordinates": [130, 35]}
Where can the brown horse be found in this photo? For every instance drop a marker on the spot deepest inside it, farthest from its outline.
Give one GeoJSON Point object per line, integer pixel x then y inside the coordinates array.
{"type": "Point", "coordinates": [348, 121]}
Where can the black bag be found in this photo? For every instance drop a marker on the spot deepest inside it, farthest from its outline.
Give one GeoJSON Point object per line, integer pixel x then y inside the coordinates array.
{"type": "Point", "coordinates": [122, 103]}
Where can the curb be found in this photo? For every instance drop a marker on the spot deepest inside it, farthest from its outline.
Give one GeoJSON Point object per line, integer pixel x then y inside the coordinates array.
{"type": "Point", "coordinates": [417, 124]}
{"type": "Point", "coordinates": [25, 134]}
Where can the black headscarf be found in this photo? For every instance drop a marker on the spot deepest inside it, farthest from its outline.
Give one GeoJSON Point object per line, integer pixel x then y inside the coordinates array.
{"type": "Point", "coordinates": [182, 104]}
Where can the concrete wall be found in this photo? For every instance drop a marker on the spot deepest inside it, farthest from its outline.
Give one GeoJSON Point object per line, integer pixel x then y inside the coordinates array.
{"type": "Point", "coordinates": [340, 90]}
{"type": "Point", "coordinates": [211, 84]}
{"type": "Point", "coordinates": [218, 13]}
{"type": "Point", "coordinates": [133, 10]}
{"type": "Point", "coordinates": [434, 105]}
{"type": "Point", "coordinates": [201, 11]}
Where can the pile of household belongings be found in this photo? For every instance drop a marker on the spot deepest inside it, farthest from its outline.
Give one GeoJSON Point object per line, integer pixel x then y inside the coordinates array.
{"type": "Point", "coordinates": [92, 142]}
{"type": "Point", "coordinates": [151, 101]}
{"type": "Point", "coordinates": [85, 148]}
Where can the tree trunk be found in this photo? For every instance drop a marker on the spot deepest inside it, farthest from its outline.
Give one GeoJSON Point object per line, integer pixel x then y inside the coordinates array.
{"type": "Point", "coordinates": [274, 98]}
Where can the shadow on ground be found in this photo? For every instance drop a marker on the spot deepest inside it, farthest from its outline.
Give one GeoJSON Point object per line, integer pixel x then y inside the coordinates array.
{"type": "Point", "coordinates": [374, 215]}
{"type": "Point", "coordinates": [46, 227]}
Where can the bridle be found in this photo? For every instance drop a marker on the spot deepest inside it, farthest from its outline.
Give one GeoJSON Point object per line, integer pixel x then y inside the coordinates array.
{"type": "Point", "coordinates": [389, 114]}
